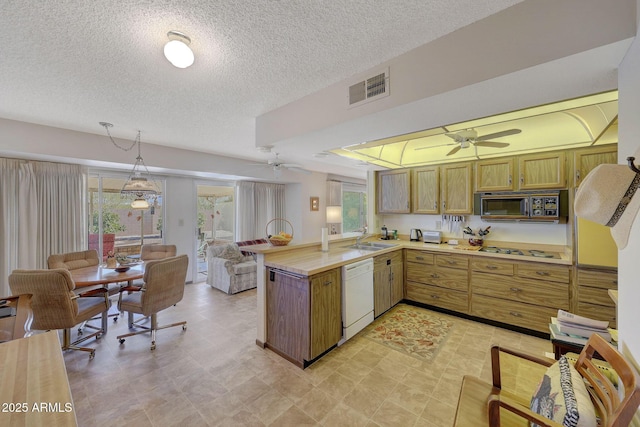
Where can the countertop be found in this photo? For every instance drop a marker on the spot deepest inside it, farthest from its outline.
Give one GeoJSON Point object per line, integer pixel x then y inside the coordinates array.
{"type": "Point", "coordinates": [308, 259]}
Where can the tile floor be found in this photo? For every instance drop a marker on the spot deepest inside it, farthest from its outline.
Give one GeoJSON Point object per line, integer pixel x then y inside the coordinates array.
{"type": "Point", "coordinates": [215, 375]}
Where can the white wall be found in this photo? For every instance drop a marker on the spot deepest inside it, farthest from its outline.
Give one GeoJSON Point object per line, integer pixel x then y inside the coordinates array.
{"type": "Point", "coordinates": [629, 143]}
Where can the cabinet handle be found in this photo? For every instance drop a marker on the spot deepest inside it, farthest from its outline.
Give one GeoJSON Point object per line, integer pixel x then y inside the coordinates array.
{"type": "Point", "coordinates": [510, 179]}
{"type": "Point", "coordinates": [435, 275]}
{"type": "Point", "coordinates": [491, 267]}
{"type": "Point", "coordinates": [521, 178]}
{"type": "Point", "coordinates": [435, 297]}
{"type": "Point", "coordinates": [420, 258]}
{"type": "Point", "coordinates": [514, 314]}
{"type": "Point", "coordinates": [328, 282]}
{"type": "Point", "coordinates": [444, 205]}
{"type": "Point", "coordinates": [578, 175]}
{"type": "Point", "coordinates": [451, 262]}
{"type": "Point", "coordinates": [542, 273]}
{"type": "Point", "coordinates": [435, 205]}
{"type": "Point", "coordinates": [515, 289]}
{"type": "Point", "coordinates": [615, 282]}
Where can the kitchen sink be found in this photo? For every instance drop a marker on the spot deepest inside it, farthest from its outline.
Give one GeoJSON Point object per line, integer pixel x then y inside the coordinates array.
{"type": "Point", "coordinates": [371, 246]}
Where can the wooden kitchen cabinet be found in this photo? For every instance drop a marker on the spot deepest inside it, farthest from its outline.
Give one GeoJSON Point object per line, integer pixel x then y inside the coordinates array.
{"type": "Point", "coordinates": [304, 315]}
{"type": "Point", "coordinates": [495, 174]}
{"type": "Point", "coordinates": [425, 190]}
{"type": "Point", "coordinates": [592, 295]}
{"type": "Point", "coordinates": [456, 189]}
{"type": "Point", "coordinates": [523, 294]}
{"type": "Point", "coordinates": [393, 191]}
{"type": "Point", "coordinates": [388, 281]}
{"type": "Point", "coordinates": [586, 159]}
{"type": "Point", "coordinates": [438, 279]}
{"type": "Point", "coordinates": [542, 171]}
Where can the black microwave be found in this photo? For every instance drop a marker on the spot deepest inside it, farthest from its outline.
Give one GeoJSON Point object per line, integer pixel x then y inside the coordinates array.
{"type": "Point", "coordinates": [543, 206]}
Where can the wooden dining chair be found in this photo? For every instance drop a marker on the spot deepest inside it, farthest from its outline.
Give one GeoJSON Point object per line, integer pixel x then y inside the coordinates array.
{"type": "Point", "coordinates": [55, 305]}
{"type": "Point", "coordinates": [163, 287]}
{"type": "Point", "coordinates": [610, 398]}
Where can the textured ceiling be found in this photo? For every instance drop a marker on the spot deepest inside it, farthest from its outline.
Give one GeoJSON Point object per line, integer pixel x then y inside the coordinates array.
{"type": "Point", "coordinates": [73, 63]}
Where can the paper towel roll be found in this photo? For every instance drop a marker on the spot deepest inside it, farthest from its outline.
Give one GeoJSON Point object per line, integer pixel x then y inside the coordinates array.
{"type": "Point", "coordinates": [325, 239]}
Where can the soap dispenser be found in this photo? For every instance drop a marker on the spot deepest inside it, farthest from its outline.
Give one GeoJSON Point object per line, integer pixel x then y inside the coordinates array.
{"type": "Point", "coordinates": [385, 233]}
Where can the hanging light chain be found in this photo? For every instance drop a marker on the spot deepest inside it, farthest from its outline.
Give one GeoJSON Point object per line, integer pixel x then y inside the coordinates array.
{"type": "Point", "coordinates": [133, 144]}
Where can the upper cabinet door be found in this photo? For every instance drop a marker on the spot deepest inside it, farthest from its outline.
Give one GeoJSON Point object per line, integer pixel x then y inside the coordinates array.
{"type": "Point", "coordinates": [495, 174]}
{"type": "Point", "coordinates": [588, 158]}
{"type": "Point", "coordinates": [542, 171]}
{"type": "Point", "coordinates": [393, 191]}
{"type": "Point", "coordinates": [457, 194]}
{"type": "Point", "coordinates": [425, 191]}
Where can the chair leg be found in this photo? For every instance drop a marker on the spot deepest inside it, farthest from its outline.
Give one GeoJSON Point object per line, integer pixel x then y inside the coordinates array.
{"type": "Point", "coordinates": [68, 345]}
{"type": "Point", "coordinates": [153, 329]}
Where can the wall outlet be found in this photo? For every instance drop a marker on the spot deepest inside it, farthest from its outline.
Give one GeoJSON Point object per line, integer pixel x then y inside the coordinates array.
{"type": "Point", "coordinates": [438, 225]}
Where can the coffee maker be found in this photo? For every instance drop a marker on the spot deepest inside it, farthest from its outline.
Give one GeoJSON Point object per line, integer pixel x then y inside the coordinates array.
{"type": "Point", "coordinates": [385, 233]}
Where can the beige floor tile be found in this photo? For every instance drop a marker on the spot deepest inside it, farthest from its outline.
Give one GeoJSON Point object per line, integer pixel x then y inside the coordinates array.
{"type": "Point", "coordinates": [213, 374]}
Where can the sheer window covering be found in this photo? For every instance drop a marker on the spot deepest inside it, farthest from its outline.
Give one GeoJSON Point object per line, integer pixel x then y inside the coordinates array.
{"type": "Point", "coordinates": [41, 213]}
{"type": "Point", "coordinates": [258, 203]}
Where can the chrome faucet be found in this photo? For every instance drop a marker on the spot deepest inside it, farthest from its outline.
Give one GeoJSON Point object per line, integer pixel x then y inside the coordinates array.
{"type": "Point", "coordinates": [362, 236]}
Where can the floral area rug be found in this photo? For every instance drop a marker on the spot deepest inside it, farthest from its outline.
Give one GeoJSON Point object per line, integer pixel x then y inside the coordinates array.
{"type": "Point", "coordinates": [410, 330]}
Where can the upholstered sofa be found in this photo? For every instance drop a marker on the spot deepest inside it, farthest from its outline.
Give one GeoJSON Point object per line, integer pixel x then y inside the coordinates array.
{"type": "Point", "coordinates": [229, 269]}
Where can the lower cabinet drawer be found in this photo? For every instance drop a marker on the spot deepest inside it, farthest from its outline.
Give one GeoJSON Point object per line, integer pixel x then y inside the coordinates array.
{"type": "Point", "coordinates": [597, 296]}
{"type": "Point", "coordinates": [438, 297]}
{"type": "Point", "coordinates": [547, 294]}
{"type": "Point", "coordinates": [513, 313]}
{"type": "Point", "coordinates": [450, 278]}
{"type": "Point", "coordinates": [598, 312]}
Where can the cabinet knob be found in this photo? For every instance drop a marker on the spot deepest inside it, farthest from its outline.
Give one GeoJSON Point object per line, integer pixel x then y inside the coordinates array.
{"type": "Point", "coordinates": [435, 297]}
{"type": "Point", "coordinates": [514, 314]}
{"type": "Point", "coordinates": [491, 267]}
{"type": "Point", "coordinates": [542, 273]}
{"type": "Point", "coordinates": [510, 179]}
{"type": "Point", "coordinates": [328, 282]}
{"type": "Point", "coordinates": [420, 258]}
{"type": "Point", "coordinates": [435, 275]}
{"type": "Point", "coordinates": [451, 262]}
{"type": "Point", "coordinates": [516, 290]}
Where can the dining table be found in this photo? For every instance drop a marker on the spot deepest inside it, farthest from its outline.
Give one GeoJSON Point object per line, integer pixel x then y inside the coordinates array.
{"type": "Point", "coordinates": [97, 276]}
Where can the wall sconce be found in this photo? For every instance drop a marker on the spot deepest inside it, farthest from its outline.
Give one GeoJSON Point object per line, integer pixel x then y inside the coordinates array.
{"type": "Point", "coordinates": [334, 218]}
{"type": "Point", "coordinates": [177, 50]}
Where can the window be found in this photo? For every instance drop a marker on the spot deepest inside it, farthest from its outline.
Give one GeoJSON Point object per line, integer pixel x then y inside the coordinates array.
{"type": "Point", "coordinates": [113, 224]}
{"type": "Point", "coordinates": [354, 207]}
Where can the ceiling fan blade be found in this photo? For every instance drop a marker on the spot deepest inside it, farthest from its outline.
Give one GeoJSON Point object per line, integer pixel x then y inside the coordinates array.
{"type": "Point", "coordinates": [454, 151]}
{"type": "Point", "coordinates": [494, 144]}
{"type": "Point", "coordinates": [433, 146]}
{"type": "Point", "coordinates": [498, 134]}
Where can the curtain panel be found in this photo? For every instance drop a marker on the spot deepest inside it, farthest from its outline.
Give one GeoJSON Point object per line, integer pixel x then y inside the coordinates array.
{"type": "Point", "coordinates": [42, 212]}
{"type": "Point", "coordinates": [258, 203]}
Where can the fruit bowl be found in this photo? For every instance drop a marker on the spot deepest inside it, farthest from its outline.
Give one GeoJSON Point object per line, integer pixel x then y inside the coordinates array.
{"type": "Point", "coordinates": [282, 238]}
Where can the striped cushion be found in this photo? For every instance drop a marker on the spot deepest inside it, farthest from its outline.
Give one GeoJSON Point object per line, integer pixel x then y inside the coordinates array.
{"type": "Point", "coordinates": [562, 397]}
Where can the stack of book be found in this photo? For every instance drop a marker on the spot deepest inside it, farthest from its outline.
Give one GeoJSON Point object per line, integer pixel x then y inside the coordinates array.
{"type": "Point", "coordinates": [574, 329]}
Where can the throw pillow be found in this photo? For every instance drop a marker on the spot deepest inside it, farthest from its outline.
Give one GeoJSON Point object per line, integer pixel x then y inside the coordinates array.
{"type": "Point", "coordinates": [562, 397]}
{"type": "Point", "coordinates": [232, 253]}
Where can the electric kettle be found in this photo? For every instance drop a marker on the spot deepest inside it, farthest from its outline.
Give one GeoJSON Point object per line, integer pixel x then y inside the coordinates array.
{"type": "Point", "coordinates": [415, 235]}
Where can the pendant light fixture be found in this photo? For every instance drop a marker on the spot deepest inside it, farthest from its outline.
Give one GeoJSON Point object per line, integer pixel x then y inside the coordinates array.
{"type": "Point", "coordinates": [177, 49]}
{"type": "Point", "coordinates": [139, 182]}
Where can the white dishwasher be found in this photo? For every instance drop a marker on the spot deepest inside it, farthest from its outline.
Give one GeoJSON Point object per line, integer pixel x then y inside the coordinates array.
{"type": "Point", "coordinates": [357, 297]}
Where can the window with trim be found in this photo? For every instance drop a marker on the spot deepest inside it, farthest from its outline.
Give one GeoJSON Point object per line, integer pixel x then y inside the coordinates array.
{"type": "Point", "coordinates": [354, 207]}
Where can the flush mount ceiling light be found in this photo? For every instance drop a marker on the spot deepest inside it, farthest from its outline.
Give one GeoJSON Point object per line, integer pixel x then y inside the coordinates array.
{"type": "Point", "coordinates": [139, 183]}
{"type": "Point", "coordinates": [177, 49]}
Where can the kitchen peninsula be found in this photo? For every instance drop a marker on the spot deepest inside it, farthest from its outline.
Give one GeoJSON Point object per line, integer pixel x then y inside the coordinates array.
{"type": "Point", "coordinates": [510, 288]}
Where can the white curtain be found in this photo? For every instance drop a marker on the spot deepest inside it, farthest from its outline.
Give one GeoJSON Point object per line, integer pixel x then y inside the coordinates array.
{"type": "Point", "coordinates": [258, 203]}
{"type": "Point", "coordinates": [41, 213]}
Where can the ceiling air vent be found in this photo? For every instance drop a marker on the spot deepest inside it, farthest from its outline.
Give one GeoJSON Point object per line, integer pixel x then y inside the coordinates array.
{"type": "Point", "coordinates": [370, 89]}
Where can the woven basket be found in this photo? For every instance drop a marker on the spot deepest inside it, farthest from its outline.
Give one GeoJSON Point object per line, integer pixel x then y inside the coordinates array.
{"type": "Point", "coordinates": [279, 241]}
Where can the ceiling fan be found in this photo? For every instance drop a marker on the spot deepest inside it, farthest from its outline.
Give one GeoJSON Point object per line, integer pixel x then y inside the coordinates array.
{"type": "Point", "coordinates": [278, 165]}
{"type": "Point", "coordinates": [467, 137]}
